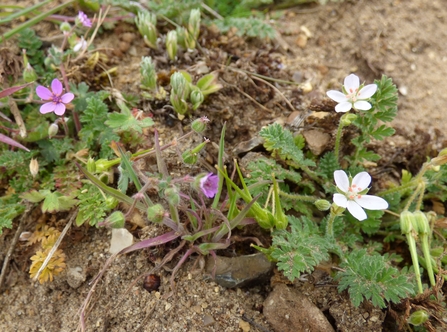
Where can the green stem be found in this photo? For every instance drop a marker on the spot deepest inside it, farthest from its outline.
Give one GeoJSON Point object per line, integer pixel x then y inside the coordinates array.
{"type": "Point", "coordinates": [35, 20]}
{"type": "Point", "coordinates": [414, 257]}
{"type": "Point", "coordinates": [427, 255]}
{"type": "Point", "coordinates": [302, 198]}
{"type": "Point", "coordinates": [330, 225]}
{"type": "Point", "coordinates": [413, 196]}
{"type": "Point", "coordinates": [401, 188]}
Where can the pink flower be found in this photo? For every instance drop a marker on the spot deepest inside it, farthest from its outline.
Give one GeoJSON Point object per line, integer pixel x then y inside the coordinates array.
{"type": "Point", "coordinates": [209, 185]}
{"type": "Point", "coordinates": [57, 100]}
{"type": "Point", "coordinates": [82, 17]}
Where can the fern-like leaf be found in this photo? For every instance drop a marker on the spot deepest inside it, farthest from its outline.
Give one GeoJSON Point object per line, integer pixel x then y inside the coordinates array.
{"type": "Point", "coordinates": [371, 278]}
{"type": "Point", "coordinates": [300, 250]}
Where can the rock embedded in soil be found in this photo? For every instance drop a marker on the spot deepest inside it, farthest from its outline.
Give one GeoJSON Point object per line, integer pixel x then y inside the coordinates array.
{"type": "Point", "coordinates": [121, 238]}
{"type": "Point", "coordinates": [316, 140]}
{"type": "Point", "coordinates": [239, 271]}
{"type": "Point", "coordinates": [288, 310]}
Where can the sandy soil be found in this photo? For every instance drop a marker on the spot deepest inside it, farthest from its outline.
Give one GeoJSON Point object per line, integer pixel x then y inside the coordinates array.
{"type": "Point", "coordinates": [405, 40]}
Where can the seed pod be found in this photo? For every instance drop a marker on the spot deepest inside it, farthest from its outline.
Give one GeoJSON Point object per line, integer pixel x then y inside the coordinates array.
{"type": "Point", "coordinates": [151, 282]}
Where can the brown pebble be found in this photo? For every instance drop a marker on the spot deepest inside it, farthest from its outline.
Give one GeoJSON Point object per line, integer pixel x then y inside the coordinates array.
{"type": "Point", "coordinates": [151, 282]}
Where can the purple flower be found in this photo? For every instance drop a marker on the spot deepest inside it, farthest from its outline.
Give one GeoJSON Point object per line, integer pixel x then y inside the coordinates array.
{"type": "Point", "coordinates": [84, 19]}
{"type": "Point", "coordinates": [57, 100]}
{"type": "Point", "coordinates": [209, 185]}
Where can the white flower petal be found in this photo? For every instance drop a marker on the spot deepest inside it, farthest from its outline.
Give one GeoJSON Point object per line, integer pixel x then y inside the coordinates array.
{"type": "Point", "coordinates": [367, 91]}
{"type": "Point", "coordinates": [337, 96]}
{"type": "Point", "coordinates": [362, 180]}
{"type": "Point", "coordinates": [351, 82]}
{"type": "Point", "coordinates": [362, 105]}
{"type": "Point", "coordinates": [372, 202]}
{"type": "Point", "coordinates": [340, 200]}
{"type": "Point", "coordinates": [356, 211]}
{"type": "Point", "coordinates": [342, 180]}
{"type": "Point", "coordinates": [343, 107]}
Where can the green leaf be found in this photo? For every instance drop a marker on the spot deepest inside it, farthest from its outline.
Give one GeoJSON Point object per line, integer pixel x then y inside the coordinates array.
{"type": "Point", "coordinates": [281, 141]}
{"type": "Point", "coordinates": [381, 132]}
{"type": "Point", "coordinates": [33, 196]}
{"type": "Point", "coordinates": [55, 202]}
{"type": "Point", "coordinates": [300, 250]}
{"type": "Point", "coordinates": [371, 278]}
{"type": "Point", "coordinates": [123, 122]}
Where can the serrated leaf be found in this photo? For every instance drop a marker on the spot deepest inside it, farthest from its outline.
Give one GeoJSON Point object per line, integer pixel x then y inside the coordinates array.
{"type": "Point", "coordinates": [33, 196]}
{"type": "Point", "coordinates": [381, 132]}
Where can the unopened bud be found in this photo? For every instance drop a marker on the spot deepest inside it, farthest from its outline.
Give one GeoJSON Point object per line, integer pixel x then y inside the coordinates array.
{"type": "Point", "coordinates": [197, 99]}
{"type": "Point", "coordinates": [91, 165]}
{"type": "Point", "coordinates": [156, 213]}
{"type": "Point", "coordinates": [199, 125]}
{"type": "Point", "coordinates": [52, 130]}
{"type": "Point", "coordinates": [171, 44]}
{"type": "Point", "coordinates": [421, 221]}
{"type": "Point", "coordinates": [347, 119]}
{"type": "Point", "coordinates": [322, 205]}
{"type": "Point", "coordinates": [189, 157]}
{"type": "Point", "coordinates": [418, 317]}
{"type": "Point", "coordinates": [111, 202]}
{"type": "Point", "coordinates": [172, 196]}
{"type": "Point", "coordinates": [34, 167]}
{"type": "Point", "coordinates": [65, 27]}
{"type": "Point", "coordinates": [116, 220]}
{"type": "Point", "coordinates": [406, 222]}
{"type": "Point", "coordinates": [29, 75]}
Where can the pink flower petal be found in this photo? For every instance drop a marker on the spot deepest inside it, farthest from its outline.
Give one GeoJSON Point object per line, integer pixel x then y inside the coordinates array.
{"type": "Point", "coordinates": [341, 180]}
{"type": "Point", "coordinates": [351, 82]}
{"type": "Point", "coordinates": [337, 96]}
{"type": "Point", "coordinates": [372, 202]}
{"type": "Point", "coordinates": [44, 93]}
{"type": "Point", "coordinates": [47, 108]}
{"type": "Point", "coordinates": [343, 107]}
{"type": "Point", "coordinates": [67, 97]}
{"type": "Point", "coordinates": [59, 109]}
{"type": "Point", "coordinates": [356, 211]}
{"type": "Point", "coordinates": [56, 86]}
{"type": "Point", "coordinates": [362, 180]}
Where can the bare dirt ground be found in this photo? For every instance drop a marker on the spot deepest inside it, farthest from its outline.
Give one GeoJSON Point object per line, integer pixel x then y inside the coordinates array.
{"type": "Point", "coordinates": [405, 40]}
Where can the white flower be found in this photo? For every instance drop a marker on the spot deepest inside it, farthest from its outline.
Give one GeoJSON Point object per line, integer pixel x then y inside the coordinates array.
{"type": "Point", "coordinates": [81, 45]}
{"type": "Point", "coordinates": [354, 95]}
{"type": "Point", "coordinates": [352, 194]}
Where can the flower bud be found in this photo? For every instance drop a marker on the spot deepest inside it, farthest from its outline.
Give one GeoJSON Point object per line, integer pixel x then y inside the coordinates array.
{"type": "Point", "coordinates": [418, 317]}
{"type": "Point", "coordinates": [197, 99]}
{"type": "Point", "coordinates": [406, 222]}
{"type": "Point", "coordinates": [34, 167]}
{"type": "Point", "coordinates": [421, 221]}
{"type": "Point", "coordinates": [347, 119]}
{"type": "Point", "coordinates": [147, 25]}
{"type": "Point", "coordinates": [189, 157]}
{"type": "Point", "coordinates": [65, 27]}
{"type": "Point", "coordinates": [171, 44]}
{"type": "Point", "coordinates": [116, 220]}
{"type": "Point", "coordinates": [111, 202]}
{"type": "Point", "coordinates": [172, 196]}
{"type": "Point", "coordinates": [91, 165]}
{"type": "Point", "coordinates": [199, 125]}
{"type": "Point", "coordinates": [156, 213]}
{"type": "Point", "coordinates": [322, 205]}
{"type": "Point", "coordinates": [194, 23]}
{"type": "Point", "coordinates": [148, 74]}
{"type": "Point", "coordinates": [52, 130]}
{"type": "Point", "coordinates": [29, 75]}
{"type": "Point", "coordinates": [103, 165]}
